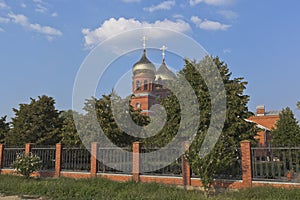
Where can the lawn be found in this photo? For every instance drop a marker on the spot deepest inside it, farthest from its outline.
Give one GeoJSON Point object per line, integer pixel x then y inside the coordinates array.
{"type": "Point", "coordinates": [97, 188]}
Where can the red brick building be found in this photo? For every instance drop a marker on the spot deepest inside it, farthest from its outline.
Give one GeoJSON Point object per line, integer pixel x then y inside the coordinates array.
{"type": "Point", "coordinates": [265, 120]}
{"type": "Point", "coordinates": [148, 83]}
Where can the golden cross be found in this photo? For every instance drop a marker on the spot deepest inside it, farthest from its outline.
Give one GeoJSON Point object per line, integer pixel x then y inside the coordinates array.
{"type": "Point", "coordinates": [144, 41]}
{"type": "Point", "coordinates": [163, 48]}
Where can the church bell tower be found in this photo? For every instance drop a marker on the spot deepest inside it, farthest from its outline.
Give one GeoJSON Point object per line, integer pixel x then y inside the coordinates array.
{"type": "Point", "coordinates": [148, 83]}
{"type": "Point", "coordinates": [143, 82]}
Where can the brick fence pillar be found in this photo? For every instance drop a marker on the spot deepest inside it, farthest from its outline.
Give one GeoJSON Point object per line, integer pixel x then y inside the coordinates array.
{"type": "Point", "coordinates": [58, 154]}
{"type": "Point", "coordinates": [246, 163]}
{"type": "Point", "coordinates": [186, 169]}
{"type": "Point", "coordinates": [1, 156]}
{"type": "Point", "coordinates": [94, 150]}
{"type": "Point", "coordinates": [136, 147]}
{"type": "Point", "coordinates": [27, 149]}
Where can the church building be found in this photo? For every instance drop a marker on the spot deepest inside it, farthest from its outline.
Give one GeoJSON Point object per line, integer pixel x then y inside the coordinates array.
{"type": "Point", "coordinates": [148, 82]}
{"type": "Point", "coordinates": [148, 86]}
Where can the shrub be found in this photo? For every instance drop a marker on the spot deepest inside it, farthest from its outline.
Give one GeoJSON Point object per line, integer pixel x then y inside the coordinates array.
{"type": "Point", "coordinates": [27, 164]}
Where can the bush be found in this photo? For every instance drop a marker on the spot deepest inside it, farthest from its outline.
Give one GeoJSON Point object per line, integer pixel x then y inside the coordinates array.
{"type": "Point", "coordinates": [27, 164]}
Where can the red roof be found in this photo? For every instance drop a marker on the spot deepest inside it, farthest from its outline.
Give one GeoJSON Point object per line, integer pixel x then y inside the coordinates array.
{"type": "Point", "coordinates": [268, 121]}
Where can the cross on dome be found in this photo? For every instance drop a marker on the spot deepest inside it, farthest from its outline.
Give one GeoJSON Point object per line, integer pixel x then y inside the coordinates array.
{"type": "Point", "coordinates": [144, 42]}
{"type": "Point", "coordinates": [163, 49]}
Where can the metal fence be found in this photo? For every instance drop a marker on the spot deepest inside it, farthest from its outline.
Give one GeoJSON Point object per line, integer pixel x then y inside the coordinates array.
{"type": "Point", "coordinates": [154, 162]}
{"type": "Point", "coordinates": [110, 159]}
{"type": "Point", "coordinates": [75, 159]}
{"type": "Point", "coordinates": [231, 172]}
{"type": "Point", "coordinates": [47, 156]}
{"type": "Point", "coordinates": [278, 164]}
{"type": "Point", "coordinates": [10, 155]}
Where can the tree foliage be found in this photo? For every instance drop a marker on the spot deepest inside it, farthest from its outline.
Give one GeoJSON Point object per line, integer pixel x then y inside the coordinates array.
{"type": "Point", "coordinates": [225, 154]}
{"type": "Point", "coordinates": [106, 119]}
{"type": "Point", "coordinates": [287, 132]}
{"type": "Point", "coordinates": [4, 129]}
{"type": "Point", "coordinates": [68, 134]}
{"type": "Point", "coordinates": [37, 122]}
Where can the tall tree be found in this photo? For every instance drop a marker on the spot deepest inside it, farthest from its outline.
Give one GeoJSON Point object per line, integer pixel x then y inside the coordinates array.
{"type": "Point", "coordinates": [106, 119]}
{"type": "Point", "coordinates": [287, 132]}
{"type": "Point", "coordinates": [68, 134]}
{"type": "Point", "coordinates": [4, 129]}
{"type": "Point", "coordinates": [225, 154]}
{"type": "Point", "coordinates": [298, 104]}
{"type": "Point", "coordinates": [37, 122]}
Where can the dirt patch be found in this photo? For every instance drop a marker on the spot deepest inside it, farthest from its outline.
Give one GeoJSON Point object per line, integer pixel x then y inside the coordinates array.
{"type": "Point", "coordinates": [22, 197]}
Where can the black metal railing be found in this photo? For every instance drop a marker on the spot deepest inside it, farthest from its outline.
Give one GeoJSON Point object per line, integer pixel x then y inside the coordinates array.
{"type": "Point", "coordinates": [276, 163]}
{"type": "Point", "coordinates": [47, 156]}
{"type": "Point", "coordinates": [10, 155]}
{"type": "Point", "coordinates": [154, 162]}
{"type": "Point", "coordinates": [112, 160]}
{"type": "Point", "coordinates": [75, 159]}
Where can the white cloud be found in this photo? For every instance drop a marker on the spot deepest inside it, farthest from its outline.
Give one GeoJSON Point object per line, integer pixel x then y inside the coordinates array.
{"type": "Point", "coordinates": [228, 14]}
{"type": "Point", "coordinates": [208, 24]}
{"type": "Point", "coordinates": [131, 1]}
{"type": "Point", "coordinates": [37, 1]}
{"type": "Point", "coordinates": [23, 21]}
{"type": "Point", "coordinates": [3, 5]}
{"type": "Point", "coordinates": [211, 2]}
{"type": "Point", "coordinates": [1, 29]}
{"type": "Point", "coordinates": [115, 26]}
{"type": "Point", "coordinates": [213, 25]}
{"type": "Point", "coordinates": [178, 16]}
{"type": "Point", "coordinates": [54, 14]}
{"type": "Point", "coordinates": [40, 8]}
{"type": "Point", "coordinates": [196, 20]}
{"type": "Point", "coordinates": [4, 20]}
{"type": "Point", "coordinates": [44, 7]}
{"type": "Point", "coordinates": [166, 5]}
{"type": "Point", "coordinates": [19, 19]}
{"type": "Point", "coordinates": [225, 51]}
{"type": "Point", "coordinates": [47, 30]}
{"type": "Point", "coordinates": [23, 5]}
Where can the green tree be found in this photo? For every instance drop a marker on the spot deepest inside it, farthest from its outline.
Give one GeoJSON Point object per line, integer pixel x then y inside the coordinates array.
{"type": "Point", "coordinates": [37, 122]}
{"type": "Point", "coordinates": [287, 132]}
{"type": "Point", "coordinates": [171, 126]}
{"type": "Point", "coordinates": [298, 104]}
{"type": "Point", "coordinates": [69, 135]}
{"type": "Point", "coordinates": [4, 129]}
{"type": "Point", "coordinates": [106, 119]}
{"type": "Point", "coordinates": [225, 154]}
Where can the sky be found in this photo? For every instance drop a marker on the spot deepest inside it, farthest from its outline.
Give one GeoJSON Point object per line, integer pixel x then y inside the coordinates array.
{"type": "Point", "coordinates": [43, 43]}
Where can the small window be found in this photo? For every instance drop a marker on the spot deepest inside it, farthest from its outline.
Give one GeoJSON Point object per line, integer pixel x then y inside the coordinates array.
{"type": "Point", "coordinates": [145, 85]}
{"type": "Point", "coordinates": [138, 105]}
{"type": "Point", "coordinates": [137, 85]}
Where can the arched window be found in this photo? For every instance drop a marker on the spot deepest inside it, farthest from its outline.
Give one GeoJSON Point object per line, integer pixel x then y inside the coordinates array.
{"type": "Point", "coordinates": [137, 85]}
{"type": "Point", "coordinates": [138, 105]}
{"type": "Point", "coordinates": [145, 85]}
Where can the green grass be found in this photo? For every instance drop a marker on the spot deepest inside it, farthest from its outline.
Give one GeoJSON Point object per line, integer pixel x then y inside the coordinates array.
{"type": "Point", "coordinates": [64, 188]}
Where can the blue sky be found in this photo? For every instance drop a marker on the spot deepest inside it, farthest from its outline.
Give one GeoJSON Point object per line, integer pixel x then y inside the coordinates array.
{"type": "Point", "coordinates": [43, 43]}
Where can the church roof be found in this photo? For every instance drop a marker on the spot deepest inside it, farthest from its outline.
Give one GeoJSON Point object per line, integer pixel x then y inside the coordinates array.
{"type": "Point", "coordinates": [164, 72]}
{"type": "Point", "coordinates": [144, 64]}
